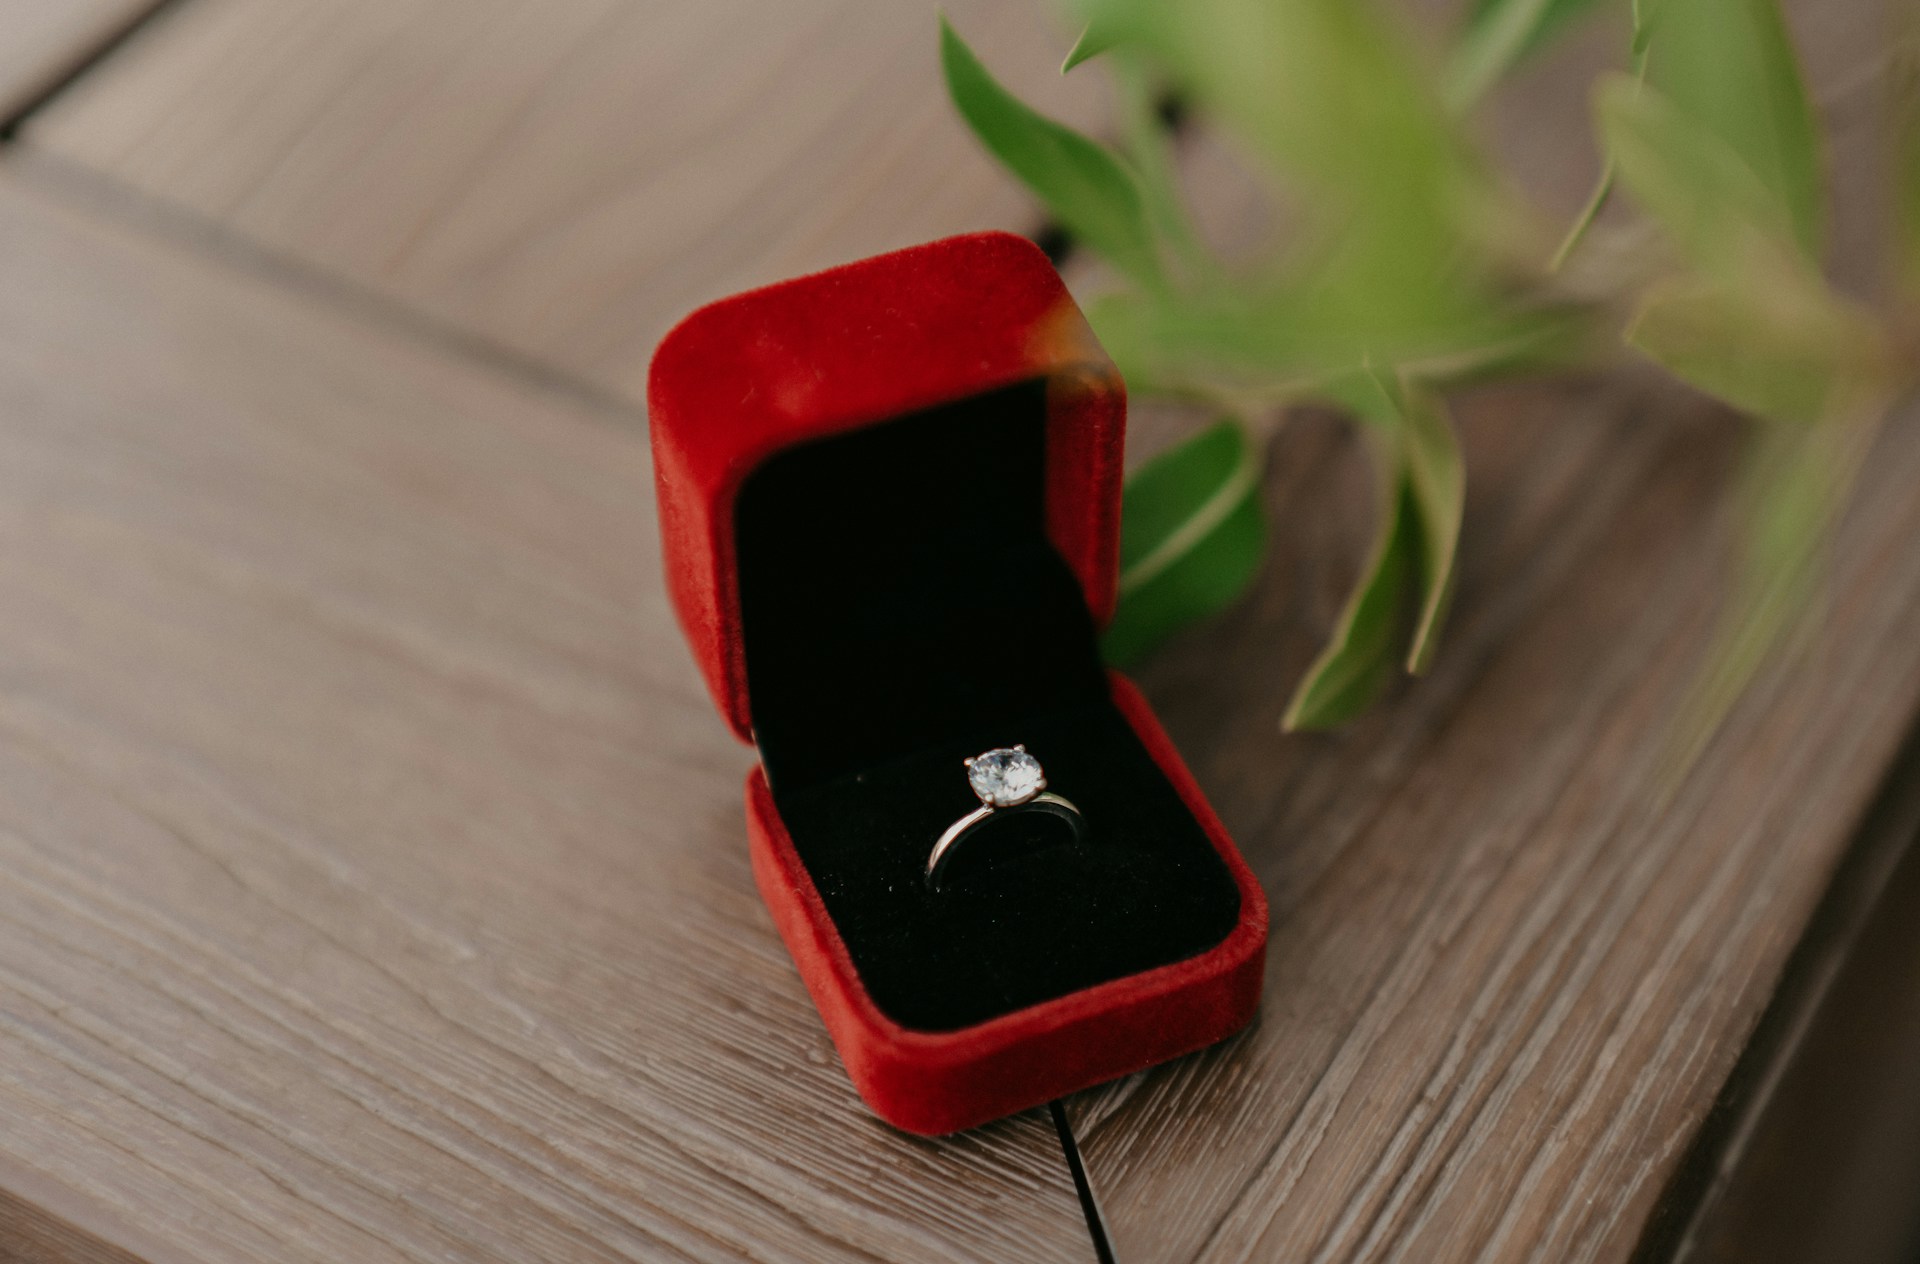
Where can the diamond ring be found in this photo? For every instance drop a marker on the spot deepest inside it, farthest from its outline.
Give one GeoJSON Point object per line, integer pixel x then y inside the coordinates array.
{"type": "Point", "coordinates": [1005, 778]}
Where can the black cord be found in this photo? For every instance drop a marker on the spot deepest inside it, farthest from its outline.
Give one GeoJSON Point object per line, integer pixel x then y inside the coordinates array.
{"type": "Point", "coordinates": [1102, 1247]}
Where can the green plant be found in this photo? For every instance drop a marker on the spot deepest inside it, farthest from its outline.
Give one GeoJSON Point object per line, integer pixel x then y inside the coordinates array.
{"type": "Point", "coordinates": [1410, 268]}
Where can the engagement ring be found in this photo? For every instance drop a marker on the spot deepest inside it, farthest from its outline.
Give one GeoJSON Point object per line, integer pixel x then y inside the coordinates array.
{"type": "Point", "coordinates": [1005, 779]}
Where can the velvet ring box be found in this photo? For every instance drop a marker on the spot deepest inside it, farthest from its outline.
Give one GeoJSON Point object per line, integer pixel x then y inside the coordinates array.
{"type": "Point", "coordinates": [889, 497]}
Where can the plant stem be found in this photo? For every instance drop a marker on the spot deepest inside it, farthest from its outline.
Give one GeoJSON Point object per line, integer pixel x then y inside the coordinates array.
{"type": "Point", "coordinates": [1604, 189]}
{"type": "Point", "coordinates": [1489, 51]}
{"type": "Point", "coordinates": [1596, 202]}
{"type": "Point", "coordinates": [1145, 141]}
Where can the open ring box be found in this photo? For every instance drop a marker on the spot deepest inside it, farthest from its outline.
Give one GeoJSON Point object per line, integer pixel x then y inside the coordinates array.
{"type": "Point", "coordinates": [889, 498]}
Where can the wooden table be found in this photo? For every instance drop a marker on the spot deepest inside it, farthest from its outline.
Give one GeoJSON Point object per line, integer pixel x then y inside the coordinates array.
{"type": "Point", "coordinates": [372, 875]}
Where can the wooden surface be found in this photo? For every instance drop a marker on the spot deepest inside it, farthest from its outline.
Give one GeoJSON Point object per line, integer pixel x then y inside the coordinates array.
{"type": "Point", "coordinates": [1509, 976]}
{"type": "Point", "coordinates": [374, 880]}
{"type": "Point", "coordinates": [41, 42]}
{"type": "Point", "coordinates": [1505, 983]}
{"type": "Point", "coordinates": [564, 177]}
{"type": "Point", "coordinates": [1812, 1155]}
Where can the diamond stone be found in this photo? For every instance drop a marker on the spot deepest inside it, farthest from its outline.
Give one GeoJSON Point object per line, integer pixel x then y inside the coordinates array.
{"type": "Point", "coordinates": [1005, 777]}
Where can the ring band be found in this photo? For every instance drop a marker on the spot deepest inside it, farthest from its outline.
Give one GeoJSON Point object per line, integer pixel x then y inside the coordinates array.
{"type": "Point", "coordinates": [1005, 779]}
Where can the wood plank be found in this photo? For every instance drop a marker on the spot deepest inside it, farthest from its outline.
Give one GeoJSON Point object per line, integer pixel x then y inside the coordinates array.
{"type": "Point", "coordinates": [375, 874]}
{"type": "Point", "coordinates": [1813, 1152]}
{"type": "Point", "coordinates": [565, 178]}
{"type": "Point", "coordinates": [1505, 985]}
{"type": "Point", "coordinates": [42, 41]}
{"type": "Point", "coordinates": [1508, 975]}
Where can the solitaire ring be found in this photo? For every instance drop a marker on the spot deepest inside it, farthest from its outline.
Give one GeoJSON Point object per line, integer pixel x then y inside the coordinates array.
{"type": "Point", "coordinates": [1005, 779]}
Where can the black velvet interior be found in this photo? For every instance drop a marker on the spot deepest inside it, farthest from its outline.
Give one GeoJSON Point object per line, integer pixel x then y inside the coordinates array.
{"type": "Point", "coordinates": [903, 609]}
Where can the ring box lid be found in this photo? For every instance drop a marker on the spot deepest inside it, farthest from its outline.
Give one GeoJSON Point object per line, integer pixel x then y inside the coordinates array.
{"type": "Point", "coordinates": [750, 376]}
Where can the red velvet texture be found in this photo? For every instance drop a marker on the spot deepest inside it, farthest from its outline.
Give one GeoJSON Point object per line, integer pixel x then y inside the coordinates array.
{"type": "Point", "coordinates": [943, 1082]}
{"type": "Point", "coordinates": [743, 378]}
{"type": "Point", "coordinates": [746, 376]}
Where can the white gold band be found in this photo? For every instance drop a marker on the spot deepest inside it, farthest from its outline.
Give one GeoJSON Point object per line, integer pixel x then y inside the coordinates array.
{"type": "Point", "coordinates": [1006, 780]}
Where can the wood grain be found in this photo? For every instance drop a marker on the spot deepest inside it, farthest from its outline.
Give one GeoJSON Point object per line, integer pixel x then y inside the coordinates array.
{"type": "Point", "coordinates": [41, 41]}
{"type": "Point", "coordinates": [375, 887]}
{"type": "Point", "coordinates": [564, 178]}
{"type": "Point", "coordinates": [375, 877]}
{"type": "Point", "coordinates": [1812, 1155]}
{"type": "Point", "coordinates": [1505, 982]}
{"type": "Point", "coordinates": [1510, 970]}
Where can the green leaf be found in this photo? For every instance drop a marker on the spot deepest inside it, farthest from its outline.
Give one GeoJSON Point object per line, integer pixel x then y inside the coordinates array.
{"type": "Point", "coordinates": [1091, 44]}
{"type": "Point", "coordinates": [1364, 649]}
{"type": "Point", "coordinates": [1437, 480]}
{"type": "Point", "coordinates": [1397, 224]}
{"type": "Point", "coordinates": [1080, 181]}
{"type": "Point", "coordinates": [1709, 200]}
{"type": "Point", "coordinates": [1757, 327]}
{"type": "Point", "coordinates": [1335, 99]}
{"type": "Point", "coordinates": [1311, 82]}
{"type": "Point", "coordinates": [1414, 420]}
{"type": "Point", "coordinates": [1147, 143]}
{"type": "Point", "coordinates": [1422, 486]}
{"type": "Point", "coordinates": [1729, 66]}
{"type": "Point", "coordinates": [1286, 343]}
{"type": "Point", "coordinates": [1792, 354]}
{"type": "Point", "coordinates": [1497, 35]}
{"type": "Point", "coordinates": [1120, 322]}
{"type": "Point", "coordinates": [1192, 534]}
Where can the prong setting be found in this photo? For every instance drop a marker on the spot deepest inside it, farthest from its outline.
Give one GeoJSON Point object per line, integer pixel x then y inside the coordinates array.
{"type": "Point", "coordinates": [1002, 778]}
{"type": "Point", "coordinates": [1006, 776]}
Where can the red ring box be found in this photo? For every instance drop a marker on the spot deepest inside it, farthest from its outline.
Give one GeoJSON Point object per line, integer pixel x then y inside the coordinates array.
{"type": "Point", "coordinates": [889, 501]}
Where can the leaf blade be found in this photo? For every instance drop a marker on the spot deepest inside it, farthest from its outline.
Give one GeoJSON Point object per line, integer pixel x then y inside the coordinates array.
{"type": "Point", "coordinates": [1730, 66]}
{"type": "Point", "coordinates": [1080, 181]}
{"type": "Point", "coordinates": [1754, 323]}
{"type": "Point", "coordinates": [1192, 536]}
{"type": "Point", "coordinates": [1788, 357]}
{"type": "Point", "coordinates": [1708, 199]}
{"type": "Point", "coordinates": [1093, 41]}
{"type": "Point", "coordinates": [1333, 97]}
{"type": "Point", "coordinates": [1395, 257]}
{"type": "Point", "coordinates": [1497, 35]}
{"type": "Point", "coordinates": [1363, 649]}
{"type": "Point", "coordinates": [1436, 478]}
